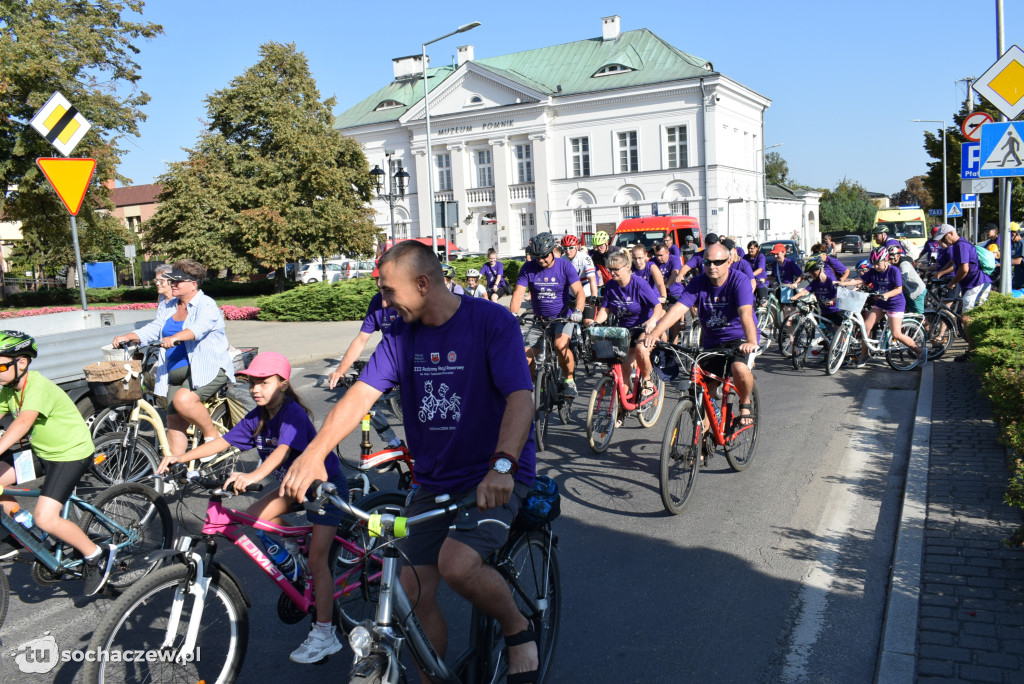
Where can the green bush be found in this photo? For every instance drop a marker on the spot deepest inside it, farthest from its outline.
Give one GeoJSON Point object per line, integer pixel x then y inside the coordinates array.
{"type": "Point", "coordinates": [342, 301]}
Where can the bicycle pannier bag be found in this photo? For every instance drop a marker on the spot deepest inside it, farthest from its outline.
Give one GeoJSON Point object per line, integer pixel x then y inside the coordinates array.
{"type": "Point", "coordinates": [114, 383]}
{"type": "Point", "coordinates": [541, 506]}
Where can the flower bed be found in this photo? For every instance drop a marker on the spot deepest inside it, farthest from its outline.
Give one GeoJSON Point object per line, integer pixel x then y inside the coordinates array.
{"type": "Point", "coordinates": [231, 313]}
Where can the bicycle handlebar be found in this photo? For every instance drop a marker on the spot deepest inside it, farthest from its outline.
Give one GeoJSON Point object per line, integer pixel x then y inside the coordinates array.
{"type": "Point", "coordinates": [180, 473]}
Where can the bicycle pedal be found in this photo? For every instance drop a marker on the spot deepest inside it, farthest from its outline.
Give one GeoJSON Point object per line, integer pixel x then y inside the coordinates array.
{"type": "Point", "coordinates": [322, 661]}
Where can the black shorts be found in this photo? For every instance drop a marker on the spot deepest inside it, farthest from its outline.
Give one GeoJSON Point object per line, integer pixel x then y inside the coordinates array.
{"type": "Point", "coordinates": [423, 544]}
{"type": "Point", "coordinates": [835, 317]}
{"type": "Point", "coordinates": [720, 365]}
{"type": "Point", "coordinates": [63, 476]}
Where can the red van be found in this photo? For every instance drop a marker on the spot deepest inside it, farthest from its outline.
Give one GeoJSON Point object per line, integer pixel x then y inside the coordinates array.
{"type": "Point", "coordinates": [651, 230]}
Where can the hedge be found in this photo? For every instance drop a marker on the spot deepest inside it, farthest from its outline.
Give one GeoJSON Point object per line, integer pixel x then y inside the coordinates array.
{"type": "Point", "coordinates": [995, 331]}
{"type": "Point", "coordinates": [345, 300]}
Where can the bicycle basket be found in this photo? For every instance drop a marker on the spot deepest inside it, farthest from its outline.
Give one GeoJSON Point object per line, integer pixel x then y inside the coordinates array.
{"type": "Point", "coordinates": [114, 383]}
{"type": "Point", "coordinates": [541, 506]}
{"type": "Point", "coordinates": [850, 300]}
{"type": "Point", "coordinates": [609, 343]}
{"type": "Point", "coordinates": [243, 356]}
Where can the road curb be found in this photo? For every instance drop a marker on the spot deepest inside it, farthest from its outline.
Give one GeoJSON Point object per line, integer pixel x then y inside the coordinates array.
{"type": "Point", "coordinates": [898, 656]}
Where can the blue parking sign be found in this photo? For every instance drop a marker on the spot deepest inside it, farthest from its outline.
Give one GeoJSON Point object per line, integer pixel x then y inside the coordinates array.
{"type": "Point", "coordinates": [970, 160]}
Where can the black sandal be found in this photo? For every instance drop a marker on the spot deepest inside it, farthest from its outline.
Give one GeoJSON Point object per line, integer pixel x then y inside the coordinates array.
{"type": "Point", "coordinates": [523, 637]}
{"type": "Point", "coordinates": [737, 421]}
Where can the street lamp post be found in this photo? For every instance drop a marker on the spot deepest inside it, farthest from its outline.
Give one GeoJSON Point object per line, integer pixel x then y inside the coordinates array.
{"type": "Point", "coordinates": [426, 111]}
{"type": "Point", "coordinates": [764, 179]}
{"type": "Point", "coordinates": [396, 187]}
{"type": "Point", "coordinates": [945, 203]}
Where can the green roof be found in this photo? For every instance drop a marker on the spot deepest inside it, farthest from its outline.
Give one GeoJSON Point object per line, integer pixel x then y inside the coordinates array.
{"type": "Point", "coordinates": [558, 71]}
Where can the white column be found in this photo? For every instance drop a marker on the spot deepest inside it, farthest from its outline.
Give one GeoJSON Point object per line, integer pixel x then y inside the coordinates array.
{"type": "Point", "coordinates": [460, 182]}
{"type": "Point", "coordinates": [541, 181]}
{"type": "Point", "coordinates": [420, 221]}
{"type": "Point", "coordinates": [502, 209]}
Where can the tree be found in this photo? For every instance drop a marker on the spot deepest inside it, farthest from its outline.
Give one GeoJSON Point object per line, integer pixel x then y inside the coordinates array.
{"type": "Point", "coordinates": [776, 169]}
{"type": "Point", "coordinates": [85, 51]}
{"type": "Point", "coordinates": [915, 193]}
{"type": "Point", "coordinates": [270, 180]}
{"type": "Point", "coordinates": [847, 209]}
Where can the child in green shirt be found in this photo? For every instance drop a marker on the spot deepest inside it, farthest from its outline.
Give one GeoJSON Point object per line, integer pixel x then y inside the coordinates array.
{"type": "Point", "coordinates": [59, 437]}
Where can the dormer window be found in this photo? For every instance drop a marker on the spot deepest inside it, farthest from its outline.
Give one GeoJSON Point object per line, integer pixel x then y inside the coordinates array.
{"type": "Point", "coordinates": [388, 104]}
{"type": "Point", "coordinates": [612, 69]}
{"type": "Point", "coordinates": [474, 101]}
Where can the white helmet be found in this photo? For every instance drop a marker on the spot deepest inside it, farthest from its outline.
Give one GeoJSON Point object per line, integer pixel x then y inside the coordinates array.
{"type": "Point", "coordinates": [472, 273]}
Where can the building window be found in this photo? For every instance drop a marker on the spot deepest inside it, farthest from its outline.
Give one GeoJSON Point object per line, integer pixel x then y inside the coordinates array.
{"type": "Point", "coordinates": [388, 104]}
{"type": "Point", "coordinates": [401, 231]}
{"type": "Point", "coordinates": [395, 166]}
{"type": "Point", "coordinates": [524, 163]}
{"type": "Point", "coordinates": [679, 208]}
{"type": "Point", "coordinates": [611, 69]}
{"type": "Point", "coordinates": [134, 223]}
{"type": "Point", "coordinates": [444, 171]}
{"type": "Point", "coordinates": [630, 211]}
{"type": "Point", "coordinates": [675, 137]}
{"type": "Point", "coordinates": [629, 154]}
{"type": "Point", "coordinates": [584, 222]}
{"type": "Point", "coordinates": [474, 101]}
{"type": "Point", "coordinates": [484, 169]}
{"type": "Point", "coordinates": [580, 157]}
{"type": "Point", "coordinates": [527, 227]}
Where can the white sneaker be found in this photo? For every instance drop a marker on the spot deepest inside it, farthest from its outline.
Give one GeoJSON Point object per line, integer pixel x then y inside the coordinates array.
{"type": "Point", "coordinates": [317, 646]}
{"type": "Point", "coordinates": [570, 388]}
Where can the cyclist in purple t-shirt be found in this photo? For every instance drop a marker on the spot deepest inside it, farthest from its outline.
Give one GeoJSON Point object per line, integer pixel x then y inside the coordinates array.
{"type": "Point", "coordinates": [648, 270]}
{"type": "Point", "coordinates": [823, 287]}
{"type": "Point", "coordinates": [882, 239]}
{"type": "Point", "coordinates": [494, 272]}
{"type": "Point", "coordinates": [725, 305]}
{"type": "Point", "coordinates": [963, 264]}
{"type": "Point", "coordinates": [454, 357]}
{"type": "Point", "coordinates": [552, 282]}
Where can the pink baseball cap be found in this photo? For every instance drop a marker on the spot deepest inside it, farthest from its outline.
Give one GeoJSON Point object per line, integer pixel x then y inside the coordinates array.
{"type": "Point", "coordinates": [267, 364]}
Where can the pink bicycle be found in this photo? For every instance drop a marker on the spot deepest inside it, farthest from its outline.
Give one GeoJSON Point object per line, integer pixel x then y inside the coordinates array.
{"type": "Point", "coordinates": [195, 612]}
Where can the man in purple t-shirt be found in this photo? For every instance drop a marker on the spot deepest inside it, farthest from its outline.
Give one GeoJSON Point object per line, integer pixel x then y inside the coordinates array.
{"type": "Point", "coordinates": [882, 239]}
{"type": "Point", "coordinates": [725, 305]}
{"type": "Point", "coordinates": [552, 282]}
{"type": "Point", "coordinates": [454, 357]}
{"type": "Point", "coordinates": [963, 263]}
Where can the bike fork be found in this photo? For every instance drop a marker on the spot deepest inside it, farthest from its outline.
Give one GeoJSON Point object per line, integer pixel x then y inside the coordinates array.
{"type": "Point", "coordinates": [198, 588]}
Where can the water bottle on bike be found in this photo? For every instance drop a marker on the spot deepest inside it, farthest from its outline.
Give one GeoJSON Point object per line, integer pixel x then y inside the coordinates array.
{"type": "Point", "coordinates": [283, 559]}
{"type": "Point", "coordinates": [28, 522]}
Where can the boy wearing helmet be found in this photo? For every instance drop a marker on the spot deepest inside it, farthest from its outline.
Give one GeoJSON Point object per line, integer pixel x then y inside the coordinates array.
{"type": "Point", "coordinates": [475, 288]}
{"type": "Point", "coordinates": [449, 272]}
{"type": "Point", "coordinates": [582, 262]}
{"type": "Point", "coordinates": [60, 437]}
{"type": "Point", "coordinates": [823, 287]}
{"type": "Point", "coordinates": [599, 254]}
{"type": "Point", "coordinates": [914, 289]}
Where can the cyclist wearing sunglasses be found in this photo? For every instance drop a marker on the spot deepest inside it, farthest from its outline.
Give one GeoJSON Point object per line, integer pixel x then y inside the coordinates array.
{"type": "Point", "coordinates": [725, 305]}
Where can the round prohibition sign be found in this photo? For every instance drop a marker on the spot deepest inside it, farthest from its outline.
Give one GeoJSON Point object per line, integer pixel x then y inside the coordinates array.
{"type": "Point", "coordinates": [971, 127]}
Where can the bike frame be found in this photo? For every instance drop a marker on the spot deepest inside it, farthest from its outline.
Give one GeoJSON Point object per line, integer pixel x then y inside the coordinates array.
{"type": "Point", "coordinates": [55, 561]}
{"type": "Point", "coordinates": [626, 395]}
{"type": "Point", "coordinates": [702, 399]}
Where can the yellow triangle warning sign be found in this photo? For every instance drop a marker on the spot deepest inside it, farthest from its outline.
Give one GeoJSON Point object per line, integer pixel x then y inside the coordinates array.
{"type": "Point", "coordinates": [69, 177]}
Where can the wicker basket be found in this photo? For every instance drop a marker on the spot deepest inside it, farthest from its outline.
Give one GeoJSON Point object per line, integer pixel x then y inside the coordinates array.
{"type": "Point", "coordinates": [114, 383]}
{"type": "Point", "coordinates": [610, 344]}
{"type": "Point", "coordinates": [243, 356]}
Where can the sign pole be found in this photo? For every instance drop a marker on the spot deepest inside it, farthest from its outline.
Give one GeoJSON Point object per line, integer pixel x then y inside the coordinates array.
{"type": "Point", "coordinates": [78, 262]}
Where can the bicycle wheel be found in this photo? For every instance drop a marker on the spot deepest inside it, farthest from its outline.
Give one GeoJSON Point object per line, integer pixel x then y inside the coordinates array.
{"type": "Point", "coordinates": [837, 350]}
{"type": "Point", "coordinates": [140, 510]}
{"type": "Point", "coordinates": [360, 603]}
{"type": "Point", "coordinates": [138, 622]}
{"type": "Point", "coordinates": [898, 356]}
{"type": "Point", "coordinates": [649, 413]}
{"type": "Point", "coordinates": [786, 333]}
{"type": "Point", "coordinates": [694, 334]}
{"type": "Point", "coordinates": [804, 333]}
{"type": "Point", "coordinates": [111, 419]}
{"type": "Point", "coordinates": [680, 456]}
{"type": "Point", "coordinates": [942, 330]}
{"type": "Point", "coordinates": [5, 596]}
{"type": "Point", "coordinates": [395, 404]}
{"type": "Point", "coordinates": [765, 326]}
{"type": "Point", "coordinates": [602, 414]}
{"type": "Point", "coordinates": [541, 407]}
{"type": "Point", "coordinates": [125, 460]}
{"type": "Point", "coordinates": [741, 440]}
{"type": "Point", "coordinates": [531, 570]}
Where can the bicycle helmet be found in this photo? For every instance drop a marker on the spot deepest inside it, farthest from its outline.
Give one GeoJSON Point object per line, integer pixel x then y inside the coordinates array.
{"type": "Point", "coordinates": [813, 264]}
{"type": "Point", "coordinates": [14, 343]}
{"type": "Point", "coordinates": [880, 254]}
{"type": "Point", "coordinates": [862, 264]}
{"type": "Point", "coordinates": [541, 245]}
{"type": "Point", "coordinates": [895, 252]}
{"type": "Point", "coordinates": [472, 273]}
{"type": "Point", "coordinates": [600, 238]}
{"type": "Point", "coordinates": [880, 229]}
{"type": "Point", "coordinates": [570, 241]}
{"type": "Point", "coordinates": [448, 270]}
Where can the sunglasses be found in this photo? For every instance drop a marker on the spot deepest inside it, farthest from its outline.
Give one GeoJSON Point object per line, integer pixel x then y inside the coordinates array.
{"type": "Point", "coordinates": [714, 262]}
{"type": "Point", "coordinates": [179, 282]}
{"type": "Point", "coordinates": [161, 281]}
{"type": "Point", "coordinates": [5, 366]}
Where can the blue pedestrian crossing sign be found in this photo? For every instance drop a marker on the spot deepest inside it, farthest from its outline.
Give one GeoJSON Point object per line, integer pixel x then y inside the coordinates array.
{"type": "Point", "coordinates": [953, 210]}
{"type": "Point", "coordinates": [1002, 150]}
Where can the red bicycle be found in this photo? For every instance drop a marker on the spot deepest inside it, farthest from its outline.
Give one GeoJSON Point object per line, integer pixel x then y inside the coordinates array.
{"type": "Point", "coordinates": [702, 421]}
{"type": "Point", "coordinates": [612, 401]}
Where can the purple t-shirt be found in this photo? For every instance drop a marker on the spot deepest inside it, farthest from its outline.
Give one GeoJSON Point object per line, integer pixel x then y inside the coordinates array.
{"type": "Point", "coordinates": [790, 272]}
{"type": "Point", "coordinates": [494, 275]}
{"type": "Point", "coordinates": [743, 267]}
{"type": "Point", "coordinates": [633, 304]}
{"type": "Point", "coordinates": [378, 317]}
{"type": "Point", "coordinates": [696, 262]}
{"type": "Point", "coordinates": [290, 425]}
{"type": "Point", "coordinates": [674, 250]}
{"type": "Point", "coordinates": [718, 307]}
{"type": "Point", "coordinates": [962, 252]}
{"type": "Point", "coordinates": [833, 267]}
{"type": "Point", "coordinates": [755, 263]}
{"type": "Point", "coordinates": [825, 292]}
{"type": "Point", "coordinates": [464, 368]}
{"type": "Point", "coordinates": [674, 264]}
{"type": "Point", "coordinates": [645, 272]}
{"type": "Point", "coordinates": [549, 288]}
{"type": "Point", "coordinates": [886, 281]}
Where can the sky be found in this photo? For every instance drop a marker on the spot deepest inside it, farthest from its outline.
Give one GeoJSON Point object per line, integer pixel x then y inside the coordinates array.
{"type": "Point", "coordinates": [845, 78]}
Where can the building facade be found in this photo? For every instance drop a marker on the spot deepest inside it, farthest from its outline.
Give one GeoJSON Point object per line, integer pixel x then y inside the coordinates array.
{"type": "Point", "coordinates": [571, 138]}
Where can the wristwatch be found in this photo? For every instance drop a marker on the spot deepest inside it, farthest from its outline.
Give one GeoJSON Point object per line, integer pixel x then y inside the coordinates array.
{"type": "Point", "coordinates": [502, 463]}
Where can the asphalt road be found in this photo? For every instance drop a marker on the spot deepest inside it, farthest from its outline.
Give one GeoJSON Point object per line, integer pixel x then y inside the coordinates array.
{"type": "Point", "coordinates": [778, 573]}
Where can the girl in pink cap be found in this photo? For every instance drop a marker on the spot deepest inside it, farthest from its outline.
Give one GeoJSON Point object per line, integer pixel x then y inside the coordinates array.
{"type": "Point", "coordinates": [279, 428]}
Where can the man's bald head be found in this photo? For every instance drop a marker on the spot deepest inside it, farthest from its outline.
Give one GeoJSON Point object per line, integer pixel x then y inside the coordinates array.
{"type": "Point", "coordinates": [716, 251]}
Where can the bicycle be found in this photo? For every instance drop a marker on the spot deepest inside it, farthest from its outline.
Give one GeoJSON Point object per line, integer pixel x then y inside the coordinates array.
{"type": "Point", "coordinates": [611, 398]}
{"type": "Point", "coordinates": [942, 318]}
{"type": "Point", "coordinates": [579, 342]}
{"type": "Point", "coordinates": [685, 438]}
{"type": "Point", "coordinates": [811, 334]}
{"type": "Point", "coordinates": [528, 563]}
{"type": "Point", "coordinates": [129, 515]}
{"type": "Point", "coordinates": [898, 356]}
{"type": "Point", "coordinates": [124, 456]}
{"type": "Point", "coordinates": [392, 398]}
{"type": "Point", "coordinates": [195, 611]}
{"type": "Point", "coordinates": [769, 318]}
{"type": "Point", "coordinates": [548, 384]}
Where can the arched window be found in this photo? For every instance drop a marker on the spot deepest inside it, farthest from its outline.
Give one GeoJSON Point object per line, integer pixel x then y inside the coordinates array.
{"type": "Point", "coordinates": [677, 194]}
{"type": "Point", "coordinates": [583, 219]}
{"type": "Point", "coordinates": [388, 104]}
{"type": "Point", "coordinates": [628, 198]}
{"type": "Point", "coordinates": [474, 101]}
{"type": "Point", "coordinates": [612, 69]}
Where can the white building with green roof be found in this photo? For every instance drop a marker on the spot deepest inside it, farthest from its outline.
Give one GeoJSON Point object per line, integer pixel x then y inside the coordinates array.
{"type": "Point", "coordinates": [570, 138]}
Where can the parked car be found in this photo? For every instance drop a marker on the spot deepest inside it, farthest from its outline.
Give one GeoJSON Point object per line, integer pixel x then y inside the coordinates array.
{"type": "Point", "coordinates": [357, 269]}
{"type": "Point", "coordinates": [468, 255]}
{"type": "Point", "coordinates": [852, 243]}
{"type": "Point", "coordinates": [793, 251]}
{"type": "Point", "coordinates": [314, 272]}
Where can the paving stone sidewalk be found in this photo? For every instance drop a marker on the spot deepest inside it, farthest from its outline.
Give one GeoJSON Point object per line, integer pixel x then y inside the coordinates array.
{"type": "Point", "coordinates": [971, 620]}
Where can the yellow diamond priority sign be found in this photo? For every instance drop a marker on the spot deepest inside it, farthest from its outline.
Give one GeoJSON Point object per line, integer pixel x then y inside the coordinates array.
{"type": "Point", "coordinates": [1003, 83]}
{"type": "Point", "coordinates": [61, 124]}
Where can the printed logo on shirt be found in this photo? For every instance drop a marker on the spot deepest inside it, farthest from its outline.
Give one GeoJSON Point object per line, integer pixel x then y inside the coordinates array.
{"type": "Point", "coordinates": [452, 357]}
{"type": "Point", "coordinates": [435, 357]}
{"type": "Point", "coordinates": [440, 404]}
